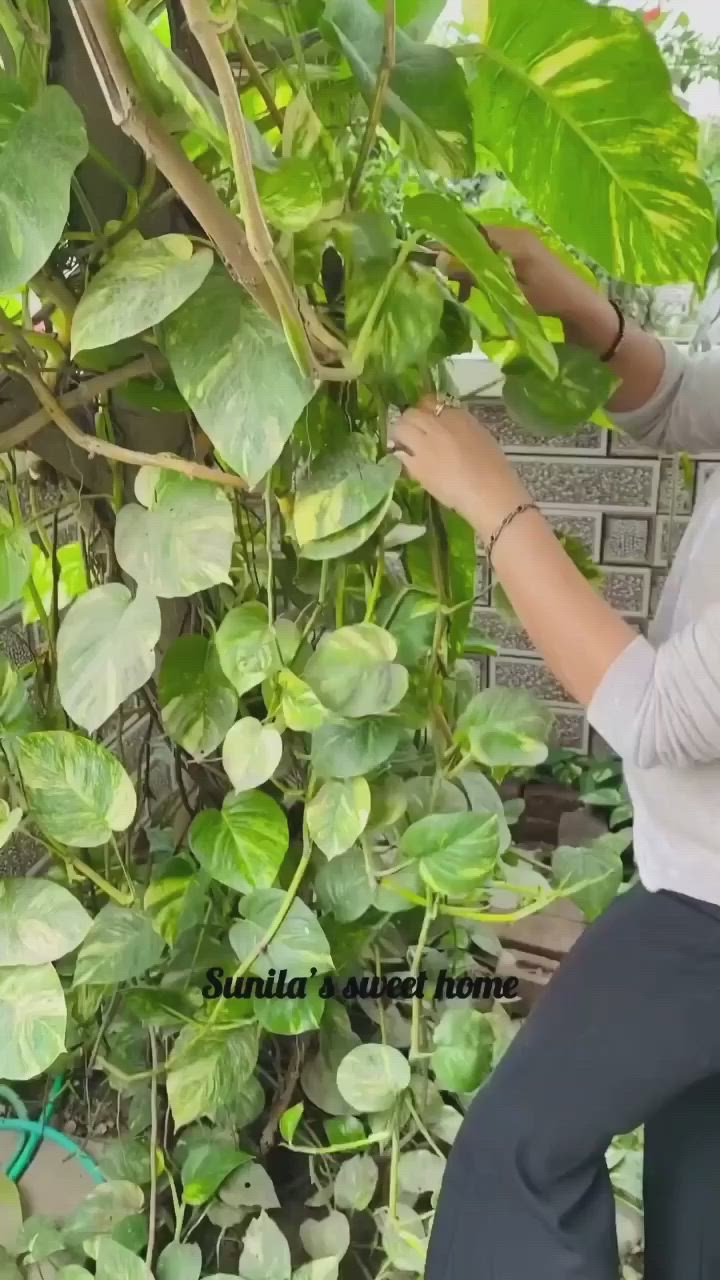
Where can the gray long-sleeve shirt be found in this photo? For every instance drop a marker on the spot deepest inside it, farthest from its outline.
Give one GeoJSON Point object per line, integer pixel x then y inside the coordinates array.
{"type": "Point", "coordinates": [658, 705]}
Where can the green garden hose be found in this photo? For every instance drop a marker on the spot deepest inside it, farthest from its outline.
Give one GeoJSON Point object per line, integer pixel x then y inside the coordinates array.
{"type": "Point", "coordinates": [43, 1133]}
{"type": "Point", "coordinates": [34, 1132]}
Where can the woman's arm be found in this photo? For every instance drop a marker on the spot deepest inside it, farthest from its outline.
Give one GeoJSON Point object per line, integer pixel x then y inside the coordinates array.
{"type": "Point", "coordinates": [652, 706]}
{"type": "Point", "coordinates": [667, 401]}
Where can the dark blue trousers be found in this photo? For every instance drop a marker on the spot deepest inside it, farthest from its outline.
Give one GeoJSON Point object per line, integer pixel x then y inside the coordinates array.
{"type": "Point", "coordinates": [627, 1033]}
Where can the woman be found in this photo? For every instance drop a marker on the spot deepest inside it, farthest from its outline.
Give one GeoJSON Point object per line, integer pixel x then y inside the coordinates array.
{"type": "Point", "coordinates": [628, 1032]}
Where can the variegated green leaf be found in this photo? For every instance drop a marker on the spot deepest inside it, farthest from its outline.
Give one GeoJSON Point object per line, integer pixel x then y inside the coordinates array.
{"type": "Point", "coordinates": [243, 844]}
{"type": "Point", "coordinates": [32, 1021]}
{"type": "Point", "coordinates": [41, 153]}
{"type": "Point", "coordinates": [251, 753]}
{"type": "Point", "coordinates": [121, 944]}
{"type": "Point", "coordinates": [183, 542]}
{"type": "Point", "coordinates": [174, 90]}
{"type": "Point", "coordinates": [15, 559]}
{"type": "Point", "coordinates": [605, 155]}
{"type": "Point", "coordinates": [198, 703]}
{"type": "Point", "coordinates": [341, 488]}
{"type": "Point", "coordinates": [456, 852]}
{"type": "Point", "coordinates": [78, 792]}
{"type": "Point", "coordinates": [40, 921]}
{"type": "Point", "coordinates": [299, 945]}
{"type": "Point", "coordinates": [444, 219]}
{"type": "Point", "coordinates": [250, 648]}
{"type": "Point", "coordinates": [353, 674]}
{"type": "Point", "coordinates": [235, 369]}
{"type": "Point", "coordinates": [338, 815]}
{"type": "Point", "coordinates": [350, 539]}
{"type": "Point", "coordinates": [106, 651]}
{"type": "Point", "coordinates": [139, 287]}
{"type": "Point", "coordinates": [208, 1068]}
{"type": "Point", "coordinates": [10, 820]}
{"type": "Point", "coordinates": [372, 1076]}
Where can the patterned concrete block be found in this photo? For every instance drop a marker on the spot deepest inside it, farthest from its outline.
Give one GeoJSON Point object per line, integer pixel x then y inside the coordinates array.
{"type": "Point", "coordinates": [570, 728]}
{"type": "Point", "coordinates": [671, 474]}
{"type": "Point", "coordinates": [618, 484]}
{"type": "Point", "coordinates": [480, 670]}
{"type": "Point", "coordinates": [704, 471]}
{"type": "Point", "coordinates": [621, 444]}
{"type": "Point", "coordinates": [586, 440]}
{"type": "Point", "coordinates": [584, 525]}
{"type": "Point", "coordinates": [626, 540]}
{"type": "Point", "coordinates": [508, 638]}
{"type": "Point", "coordinates": [668, 536]}
{"type": "Point", "coordinates": [628, 591]}
{"type": "Point", "coordinates": [527, 673]}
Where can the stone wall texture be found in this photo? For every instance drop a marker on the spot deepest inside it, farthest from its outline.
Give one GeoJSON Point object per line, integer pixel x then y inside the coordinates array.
{"type": "Point", "coordinates": [629, 508]}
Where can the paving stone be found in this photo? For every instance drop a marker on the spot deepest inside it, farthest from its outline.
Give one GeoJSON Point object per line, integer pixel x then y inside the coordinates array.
{"type": "Point", "coordinates": [587, 439]}
{"type": "Point", "coordinates": [622, 444]}
{"type": "Point", "coordinates": [617, 484]}
{"type": "Point", "coordinates": [628, 591]}
{"type": "Point", "coordinates": [704, 471]}
{"type": "Point", "coordinates": [626, 540]}
{"type": "Point", "coordinates": [668, 536]}
{"type": "Point", "coordinates": [527, 673]}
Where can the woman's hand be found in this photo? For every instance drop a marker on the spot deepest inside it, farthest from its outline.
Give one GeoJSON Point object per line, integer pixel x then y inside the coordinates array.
{"type": "Point", "coordinates": [459, 462]}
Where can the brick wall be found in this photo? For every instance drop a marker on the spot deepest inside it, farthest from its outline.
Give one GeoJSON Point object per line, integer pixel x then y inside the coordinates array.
{"type": "Point", "coordinates": [628, 506]}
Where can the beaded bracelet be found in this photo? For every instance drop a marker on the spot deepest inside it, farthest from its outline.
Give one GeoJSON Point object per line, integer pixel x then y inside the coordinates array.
{"type": "Point", "coordinates": [525, 506]}
{"type": "Point", "coordinates": [612, 351]}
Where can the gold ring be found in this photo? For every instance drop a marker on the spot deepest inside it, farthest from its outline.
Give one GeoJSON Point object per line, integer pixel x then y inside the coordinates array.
{"type": "Point", "coordinates": [448, 402]}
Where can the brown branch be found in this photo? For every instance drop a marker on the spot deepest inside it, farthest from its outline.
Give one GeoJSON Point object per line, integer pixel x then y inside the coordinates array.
{"type": "Point", "coordinates": [259, 238]}
{"type": "Point", "coordinates": [102, 448]}
{"type": "Point", "coordinates": [385, 70]}
{"type": "Point", "coordinates": [284, 1094]}
{"type": "Point", "coordinates": [88, 391]}
{"type": "Point", "coordinates": [113, 72]}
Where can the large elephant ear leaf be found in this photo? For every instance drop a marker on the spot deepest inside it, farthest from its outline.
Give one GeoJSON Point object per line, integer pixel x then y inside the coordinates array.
{"type": "Point", "coordinates": [232, 364]}
{"type": "Point", "coordinates": [78, 793]}
{"type": "Point", "coordinates": [616, 173]}
{"type": "Point", "coordinates": [43, 147]}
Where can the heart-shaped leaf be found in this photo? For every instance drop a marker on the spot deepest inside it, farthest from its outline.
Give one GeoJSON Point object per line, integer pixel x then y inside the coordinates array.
{"type": "Point", "coordinates": [299, 945]}
{"type": "Point", "coordinates": [341, 488]}
{"type": "Point", "coordinates": [79, 793]}
{"type": "Point", "coordinates": [338, 814]}
{"type": "Point", "coordinates": [250, 648]}
{"type": "Point", "coordinates": [106, 651]}
{"type": "Point", "coordinates": [233, 365]}
{"type": "Point", "coordinates": [463, 1055]}
{"type": "Point", "coordinates": [206, 1068]}
{"type": "Point", "coordinates": [456, 851]}
{"type": "Point", "coordinates": [139, 287]}
{"type": "Point", "coordinates": [243, 844]}
{"type": "Point", "coordinates": [349, 750]}
{"type": "Point", "coordinates": [353, 674]}
{"type": "Point", "coordinates": [206, 1167]}
{"type": "Point", "coordinates": [504, 727]}
{"type": "Point", "coordinates": [184, 542]}
{"type": "Point", "coordinates": [198, 704]}
{"type": "Point", "coordinates": [371, 1077]}
{"type": "Point", "coordinates": [251, 753]}
{"type": "Point", "coordinates": [40, 921]}
{"type": "Point", "coordinates": [32, 1021]}
{"type": "Point", "coordinates": [16, 551]}
{"type": "Point", "coordinates": [43, 148]}
{"type": "Point", "coordinates": [559, 406]}
{"type": "Point", "coordinates": [121, 944]}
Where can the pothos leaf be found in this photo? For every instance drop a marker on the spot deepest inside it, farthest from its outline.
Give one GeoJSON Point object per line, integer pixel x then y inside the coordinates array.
{"type": "Point", "coordinates": [353, 674]}
{"type": "Point", "coordinates": [556, 407]}
{"type": "Point", "coordinates": [299, 945]}
{"type": "Point", "coordinates": [243, 844]}
{"type": "Point", "coordinates": [15, 559]}
{"type": "Point", "coordinates": [183, 542]}
{"type": "Point", "coordinates": [251, 753]}
{"type": "Point", "coordinates": [198, 703]}
{"type": "Point", "coordinates": [234, 367]}
{"type": "Point", "coordinates": [42, 150]}
{"type": "Point", "coordinates": [32, 1020]}
{"type": "Point", "coordinates": [40, 921]}
{"type": "Point", "coordinates": [338, 814]}
{"type": "Point", "coordinates": [79, 793]}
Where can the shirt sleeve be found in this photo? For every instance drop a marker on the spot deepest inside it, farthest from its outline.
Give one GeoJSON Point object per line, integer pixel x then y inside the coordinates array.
{"type": "Point", "coordinates": [661, 706]}
{"type": "Point", "coordinates": [682, 415]}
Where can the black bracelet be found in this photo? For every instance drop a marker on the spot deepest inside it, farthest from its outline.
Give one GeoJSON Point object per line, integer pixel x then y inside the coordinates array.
{"type": "Point", "coordinates": [524, 506]}
{"type": "Point", "coordinates": [612, 351]}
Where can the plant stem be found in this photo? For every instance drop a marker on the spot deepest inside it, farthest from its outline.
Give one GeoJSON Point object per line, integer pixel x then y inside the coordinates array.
{"type": "Point", "coordinates": [134, 458]}
{"type": "Point", "coordinates": [387, 63]}
{"type": "Point", "coordinates": [256, 77]}
{"type": "Point", "coordinates": [259, 240]}
{"type": "Point", "coordinates": [339, 1148]}
{"type": "Point", "coordinates": [416, 1020]}
{"type": "Point", "coordinates": [376, 588]}
{"type": "Point", "coordinates": [153, 1150]}
{"type": "Point", "coordinates": [363, 341]}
